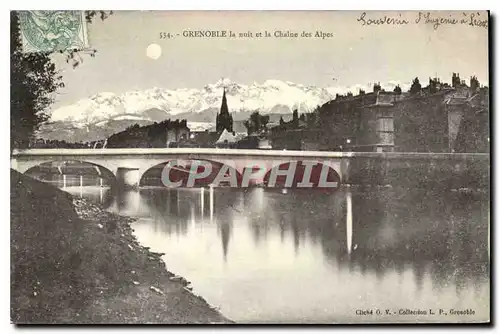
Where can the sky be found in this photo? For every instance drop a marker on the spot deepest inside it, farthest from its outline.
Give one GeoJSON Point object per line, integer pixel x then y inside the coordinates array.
{"type": "Point", "coordinates": [356, 54]}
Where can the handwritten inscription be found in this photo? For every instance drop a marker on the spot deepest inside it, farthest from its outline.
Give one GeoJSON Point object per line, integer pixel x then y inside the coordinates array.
{"type": "Point", "coordinates": [436, 20]}
{"type": "Point", "coordinates": [471, 19]}
{"type": "Point", "coordinates": [383, 20]}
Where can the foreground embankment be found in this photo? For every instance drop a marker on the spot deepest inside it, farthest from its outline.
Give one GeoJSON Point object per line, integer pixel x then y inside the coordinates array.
{"type": "Point", "coordinates": [73, 262]}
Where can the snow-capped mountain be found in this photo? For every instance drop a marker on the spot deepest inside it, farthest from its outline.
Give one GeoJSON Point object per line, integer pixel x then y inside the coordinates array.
{"type": "Point", "coordinates": [102, 113]}
{"type": "Point", "coordinates": [132, 105]}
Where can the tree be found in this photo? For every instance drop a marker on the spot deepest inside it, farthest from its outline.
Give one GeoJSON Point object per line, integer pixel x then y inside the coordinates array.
{"type": "Point", "coordinates": [434, 85]}
{"type": "Point", "coordinates": [397, 89]}
{"type": "Point", "coordinates": [264, 120]}
{"type": "Point", "coordinates": [249, 126]}
{"type": "Point", "coordinates": [282, 121]}
{"type": "Point", "coordinates": [256, 123]}
{"type": "Point", "coordinates": [416, 87]}
{"type": "Point", "coordinates": [377, 87]}
{"type": "Point", "coordinates": [34, 80]}
{"type": "Point", "coordinates": [295, 118]}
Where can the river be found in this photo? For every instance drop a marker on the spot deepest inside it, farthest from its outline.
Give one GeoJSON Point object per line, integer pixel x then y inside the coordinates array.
{"type": "Point", "coordinates": [266, 256]}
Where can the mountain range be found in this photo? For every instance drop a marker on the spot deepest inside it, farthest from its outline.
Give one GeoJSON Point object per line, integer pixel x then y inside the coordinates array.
{"type": "Point", "coordinates": [103, 114]}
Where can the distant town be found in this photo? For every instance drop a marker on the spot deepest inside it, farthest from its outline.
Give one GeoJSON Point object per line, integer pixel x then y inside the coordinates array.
{"type": "Point", "coordinates": [438, 117]}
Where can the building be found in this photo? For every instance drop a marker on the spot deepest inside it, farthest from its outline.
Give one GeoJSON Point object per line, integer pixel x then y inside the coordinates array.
{"type": "Point", "coordinates": [344, 123]}
{"type": "Point", "coordinates": [202, 139]}
{"type": "Point", "coordinates": [224, 120]}
{"type": "Point", "coordinates": [177, 135]}
{"type": "Point", "coordinates": [473, 134]}
{"type": "Point", "coordinates": [376, 123]}
{"type": "Point", "coordinates": [223, 125]}
{"type": "Point", "coordinates": [437, 118]}
{"type": "Point", "coordinates": [163, 134]}
{"type": "Point", "coordinates": [254, 141]}
{"type": "Point", "coordinates": [297, 134]}
{"type": "Point", "coordinates": [420, 124]}
{"type": "Point", "coordinates": [228, 139]}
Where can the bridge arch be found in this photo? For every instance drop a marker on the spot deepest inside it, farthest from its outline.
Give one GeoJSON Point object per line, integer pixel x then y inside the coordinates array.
{"type": "Point", "coordinates": [181, 174]}
{"type": "Point", "coordinates": [71, 167]}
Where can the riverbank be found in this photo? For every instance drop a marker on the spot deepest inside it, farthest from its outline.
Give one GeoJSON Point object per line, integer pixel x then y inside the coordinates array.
{"type": "Point", "coordinates": [73, 262]}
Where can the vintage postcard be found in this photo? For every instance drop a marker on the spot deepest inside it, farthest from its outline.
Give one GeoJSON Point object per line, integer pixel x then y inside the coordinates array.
{"type": "Point", "coordinates": [250, 167]}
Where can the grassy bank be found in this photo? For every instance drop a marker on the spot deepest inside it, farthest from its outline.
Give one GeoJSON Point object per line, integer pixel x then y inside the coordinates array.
{"type": "Point", "coordinates": [73, 262]}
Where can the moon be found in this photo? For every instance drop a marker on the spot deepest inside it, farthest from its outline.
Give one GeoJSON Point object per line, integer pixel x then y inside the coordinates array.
{"type": "Point", "coordinates": [153, 51]}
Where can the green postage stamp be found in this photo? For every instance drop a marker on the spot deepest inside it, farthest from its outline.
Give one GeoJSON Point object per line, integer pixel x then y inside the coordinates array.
{"type": "Point", "coordinates": [49, 31]}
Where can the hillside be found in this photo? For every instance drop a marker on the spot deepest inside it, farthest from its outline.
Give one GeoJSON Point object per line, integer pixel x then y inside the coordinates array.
{"type": "Point", "coordinates": [85, 266]}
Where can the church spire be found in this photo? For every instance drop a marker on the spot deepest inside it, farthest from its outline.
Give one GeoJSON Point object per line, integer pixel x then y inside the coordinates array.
{"type": "Point", "coordinates": [223, 108]}
{"type": "Point", "coordinates": [224, 120]}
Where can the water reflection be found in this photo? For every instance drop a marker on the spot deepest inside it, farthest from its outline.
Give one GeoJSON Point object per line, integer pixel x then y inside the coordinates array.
{"type": "Point", "coordinates": [310, 256]}
{"type": "Point", "coordinates": [348, 218]}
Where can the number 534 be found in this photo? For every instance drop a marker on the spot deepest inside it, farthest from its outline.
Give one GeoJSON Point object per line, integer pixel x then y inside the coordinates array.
{"type": "Point", "coordinates": [165, 35]}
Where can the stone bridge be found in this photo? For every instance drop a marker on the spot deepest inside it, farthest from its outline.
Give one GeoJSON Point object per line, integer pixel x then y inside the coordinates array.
{"type": "Point", "coordinates": [128, 165]}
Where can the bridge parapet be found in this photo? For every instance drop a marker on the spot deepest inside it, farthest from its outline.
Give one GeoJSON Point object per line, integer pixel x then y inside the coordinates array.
{"type": "Point", "coordinates": [352, 167]}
